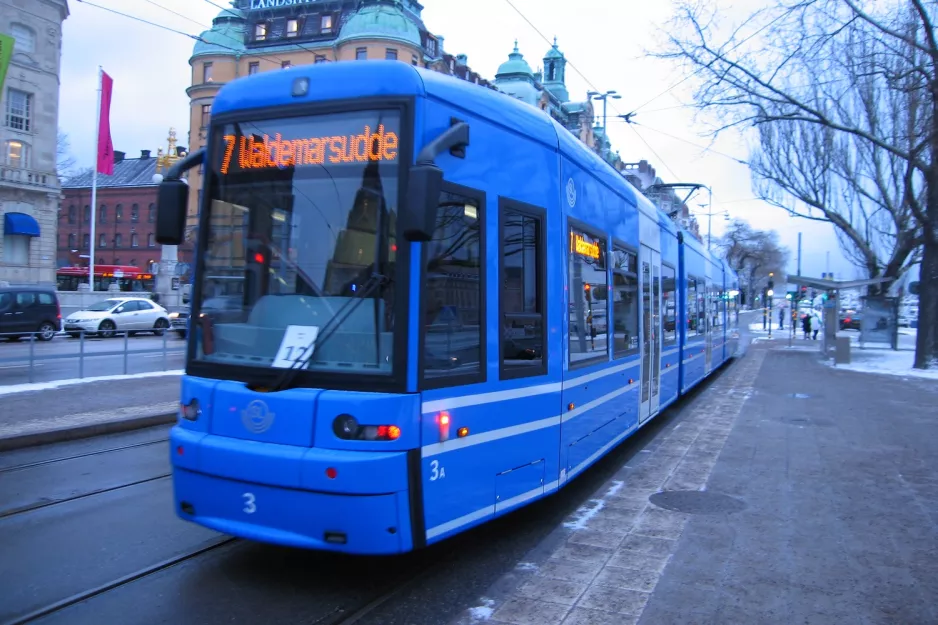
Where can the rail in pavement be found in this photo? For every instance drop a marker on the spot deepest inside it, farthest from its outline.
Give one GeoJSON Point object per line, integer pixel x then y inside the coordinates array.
{"type": "Point", "coordinates": [67, 412]}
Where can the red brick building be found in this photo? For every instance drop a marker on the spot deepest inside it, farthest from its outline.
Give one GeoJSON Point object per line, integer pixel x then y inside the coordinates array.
{"type": "Point", "coordinates": [126, 216]}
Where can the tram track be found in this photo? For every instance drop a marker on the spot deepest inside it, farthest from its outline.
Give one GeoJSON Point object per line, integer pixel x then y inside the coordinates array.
{"type": "Point", "coordinates": [39, 463]}
{"type": "Point", "coordinates": [168, 563]}
{"type": "Point", "coordinates": [355, 614]}
{"type": "Point", "coordinates": [54, 502]}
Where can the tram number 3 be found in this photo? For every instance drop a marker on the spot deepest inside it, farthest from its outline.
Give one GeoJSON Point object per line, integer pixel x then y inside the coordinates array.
{"type": "Point", "coordinates": [249, 507]}
{"type": "Point", "coordinates": [436, 471]}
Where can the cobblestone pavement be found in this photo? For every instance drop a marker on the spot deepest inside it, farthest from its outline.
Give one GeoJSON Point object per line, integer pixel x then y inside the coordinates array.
{"type": "Point", "coordinates": [787, 492]}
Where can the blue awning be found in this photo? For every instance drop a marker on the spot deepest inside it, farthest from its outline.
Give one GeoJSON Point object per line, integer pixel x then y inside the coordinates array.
{"type": "Point", "coordinates": [20, 223]}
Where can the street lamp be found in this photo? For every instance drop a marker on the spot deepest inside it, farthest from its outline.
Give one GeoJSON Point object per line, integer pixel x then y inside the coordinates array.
{"type": "Point", "coordinates": [595, 95]}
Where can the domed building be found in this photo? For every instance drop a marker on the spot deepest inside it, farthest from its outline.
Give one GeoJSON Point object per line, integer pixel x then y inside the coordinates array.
{"type": "Point", "coordinates": [547, 90]}
{"type": "Point", "coordinates": [264, 35]}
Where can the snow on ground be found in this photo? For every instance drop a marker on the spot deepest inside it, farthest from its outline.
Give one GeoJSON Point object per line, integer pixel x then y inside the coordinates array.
{"type": "Point", "coordinates": [484, 611]}
{"type": "Point", "coordinates": [880, 358]}
{"type": "Point", "coordinates": [45, 386]}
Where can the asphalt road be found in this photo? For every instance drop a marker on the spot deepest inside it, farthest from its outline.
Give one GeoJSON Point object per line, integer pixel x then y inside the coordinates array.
{"type": "Point", "coordinates": [62, 357]}
{"type": "Point", "coordinates": [96, 517]}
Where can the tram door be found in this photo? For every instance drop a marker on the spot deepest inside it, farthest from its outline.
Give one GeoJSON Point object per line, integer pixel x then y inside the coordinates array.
{"type": "Point", "coordinates": [651, 333]}
{"type": "Point", "coordinates": [708, 306]}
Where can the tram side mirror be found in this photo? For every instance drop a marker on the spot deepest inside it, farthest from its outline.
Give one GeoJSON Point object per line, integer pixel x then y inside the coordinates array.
{"type": "Point", "coordinates": [425, 183]}
{"type": "Point", "coordinates": [171, 212]}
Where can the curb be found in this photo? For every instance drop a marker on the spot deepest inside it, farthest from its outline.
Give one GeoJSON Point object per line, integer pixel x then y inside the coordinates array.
{"type": "Point", "coordinates": [61, 435]}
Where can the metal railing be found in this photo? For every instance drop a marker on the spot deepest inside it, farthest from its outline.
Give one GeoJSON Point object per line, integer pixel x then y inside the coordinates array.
{"type": "Point", "coordinates": [63, 352]}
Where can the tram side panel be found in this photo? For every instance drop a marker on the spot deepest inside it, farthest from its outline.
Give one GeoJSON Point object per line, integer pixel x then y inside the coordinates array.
{"type": "Point", "coordinates": [601, 353]}
{"type": "Point", "coordinates": [716, 314]}
{"type": "Point", "coordinates": [693, 347]}
{"type": "Point", "coordinates": [490, 440]}
{"type": "Point", "coordinates": [670, 309]}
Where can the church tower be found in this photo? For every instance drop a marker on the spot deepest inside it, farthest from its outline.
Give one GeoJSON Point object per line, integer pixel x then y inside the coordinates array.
{"type": "Point", "coordinates": [555, 68]}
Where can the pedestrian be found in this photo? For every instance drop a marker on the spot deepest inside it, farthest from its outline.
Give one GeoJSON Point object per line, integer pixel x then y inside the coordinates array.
{"type": "Point", "coordinates": [806, 325]}
{"type": "Point", "coordinates": [781, 318]}
{"type": "Point", "coordinates": [817, 318]}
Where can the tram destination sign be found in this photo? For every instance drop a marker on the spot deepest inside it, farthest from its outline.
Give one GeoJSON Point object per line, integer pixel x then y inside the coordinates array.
{"type": "Point", "coordinates": [274, 4]}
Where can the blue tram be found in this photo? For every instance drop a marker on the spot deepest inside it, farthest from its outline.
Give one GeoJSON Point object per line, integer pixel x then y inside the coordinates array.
{"type": "Point", "coordinates": [446, 308]}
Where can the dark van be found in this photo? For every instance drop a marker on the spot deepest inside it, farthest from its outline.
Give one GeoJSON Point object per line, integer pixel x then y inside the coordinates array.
{"type": "Point", "coordinates": [26, 310]}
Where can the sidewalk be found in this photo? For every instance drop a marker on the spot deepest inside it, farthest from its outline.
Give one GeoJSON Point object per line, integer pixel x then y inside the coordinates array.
{"type": "Point", "coordinates": [56, 411]}
{"type": "Point", "coordinates": [786, 492]}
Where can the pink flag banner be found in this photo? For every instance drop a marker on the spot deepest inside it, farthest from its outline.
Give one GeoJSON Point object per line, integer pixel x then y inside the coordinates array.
{"type": "Point", "coordinates": [105, 145]}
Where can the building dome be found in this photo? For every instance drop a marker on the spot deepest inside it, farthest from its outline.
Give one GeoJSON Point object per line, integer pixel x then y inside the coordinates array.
{"type": "Point", "coordinates": [226, 37]}
{"type": "Point", "coordinates": [381, 19]}
{"type": "Point", "coordinates": [554, 52]}
{"type": "Point", "coordinates": [514, 65]}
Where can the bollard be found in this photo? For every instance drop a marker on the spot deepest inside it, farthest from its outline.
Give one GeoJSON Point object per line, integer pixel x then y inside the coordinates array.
{"type": "Point", "coordinates": [32, 347]}
{"type": "Point", "coordinates": [81, 353]}
{"type": "Point", "coordinates": [126, 338]}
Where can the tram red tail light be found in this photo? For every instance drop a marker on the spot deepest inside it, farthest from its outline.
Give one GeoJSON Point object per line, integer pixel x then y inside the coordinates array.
{"type": "Point", "coordinates": [443, 420]}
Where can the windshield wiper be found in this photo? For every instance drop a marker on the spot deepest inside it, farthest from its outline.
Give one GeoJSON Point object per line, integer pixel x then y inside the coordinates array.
{"type": "Point", "coordinates": [289, 375]}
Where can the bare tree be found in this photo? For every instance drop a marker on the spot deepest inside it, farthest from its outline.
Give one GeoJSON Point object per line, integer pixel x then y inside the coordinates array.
{"type": "Point", "coordinates": [753, 254]}
{"type": "Point", "coordinates": [868, 76]}
{"type": "Point", "coordinates": [815, 173]}
{"type": "Point", "coordinates": [64, 161]}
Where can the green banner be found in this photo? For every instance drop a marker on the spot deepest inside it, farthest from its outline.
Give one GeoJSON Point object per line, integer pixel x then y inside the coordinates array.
{"type": "Point", "coordinates": [6, 51]}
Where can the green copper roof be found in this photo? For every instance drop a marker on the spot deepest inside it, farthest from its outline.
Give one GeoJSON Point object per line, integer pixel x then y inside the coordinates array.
{"type": "Point", "coordinates": [514, 65]}
{"type": "Point", "coordinates": [554, 53]}
{"type": "Point", "coordinates": [226, 37]}
{"type": "Point", "coordinates": [382, 19]}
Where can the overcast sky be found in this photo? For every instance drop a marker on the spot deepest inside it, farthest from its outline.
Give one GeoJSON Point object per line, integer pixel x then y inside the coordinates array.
{"type": "Point", "coordinates": [607, 42]}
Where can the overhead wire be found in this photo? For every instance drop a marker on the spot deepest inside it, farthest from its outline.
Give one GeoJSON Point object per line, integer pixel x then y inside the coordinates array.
{"type": "Point", "coordinates": [589, 83]}
{"type": "Point", "coordinates": [174, 30]}
{"type": "Point", "coordinates": [700, 69]}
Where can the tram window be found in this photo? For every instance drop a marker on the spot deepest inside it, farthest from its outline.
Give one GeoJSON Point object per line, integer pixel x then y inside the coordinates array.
{"type": "Point", "coordinates": [453, 284]}
{"type": "Point", "coordinates": [624, 303]}
{"type": "Point", "coordinates": [669, 304]}
{"type": "Point", "coordinates": [691, 306]}
{"type": "Point", "coordinates": [522, 294]}
{"type": "Point", "coordinates": [588, 295]}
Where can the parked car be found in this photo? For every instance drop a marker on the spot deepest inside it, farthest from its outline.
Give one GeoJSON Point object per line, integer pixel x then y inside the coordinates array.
{"type": "Point", "coordinates": [119, 314]}
{"type": "Point", "coordinates": [26, 310]}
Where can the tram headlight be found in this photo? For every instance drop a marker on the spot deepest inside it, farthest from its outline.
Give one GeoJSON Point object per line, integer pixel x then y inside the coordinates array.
{"type": "Point", "coordinates": [190, 411]}
{"type": "Point", "coordinates": [346, 427]}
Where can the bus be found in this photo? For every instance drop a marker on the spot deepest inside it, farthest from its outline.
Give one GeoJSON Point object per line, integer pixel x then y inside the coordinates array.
{"type": "Point", "coordinates": [128, 277]}
{"type": "Point", "coordinates": [448, 307]}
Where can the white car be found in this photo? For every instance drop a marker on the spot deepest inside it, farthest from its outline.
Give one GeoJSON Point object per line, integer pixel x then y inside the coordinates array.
{"type": "Point", "coordinates": [119, 314]}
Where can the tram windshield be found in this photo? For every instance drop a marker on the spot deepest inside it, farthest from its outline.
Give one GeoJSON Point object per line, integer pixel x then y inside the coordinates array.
{"type": "Point", "coordinates": [300, 244]}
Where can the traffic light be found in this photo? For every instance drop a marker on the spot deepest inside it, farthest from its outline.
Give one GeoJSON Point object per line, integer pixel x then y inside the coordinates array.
{"type": "Point", "coordinates": [771, 280]}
